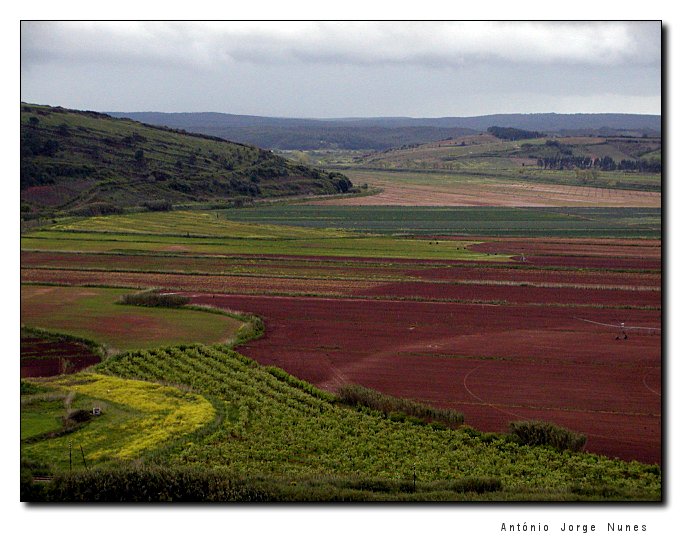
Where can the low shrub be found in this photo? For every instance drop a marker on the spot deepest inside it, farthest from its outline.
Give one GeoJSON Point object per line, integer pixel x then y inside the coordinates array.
{"type": "Point", "coordinates": [97, 209]}
{"type": "Point", "coordinates": [154, 299]}
{"type": "Point", "coordinates": [29, 388]}
{"type": "Point", "coordinates": [79, 416]}
{"type": "Point", "coordinates": [398, 408]}
{"type": "Point", "coordinates": [158, 205]}
{"type": "Point", "coordinates": [539, 433]}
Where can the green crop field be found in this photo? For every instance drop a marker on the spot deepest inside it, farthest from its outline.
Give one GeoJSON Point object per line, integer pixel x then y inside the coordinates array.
{"type": "Point", "coordinates": [179, 224]}
{"type": "Point", "coordinates": [496, 221]}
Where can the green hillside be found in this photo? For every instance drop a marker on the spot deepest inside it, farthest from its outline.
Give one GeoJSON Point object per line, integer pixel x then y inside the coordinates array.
{"type": "Point", "coordinates": [82, 162]}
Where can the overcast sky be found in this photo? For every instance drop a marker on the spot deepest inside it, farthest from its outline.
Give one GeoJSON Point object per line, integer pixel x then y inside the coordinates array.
{"type": "Point", "coordinates": [420, 69]}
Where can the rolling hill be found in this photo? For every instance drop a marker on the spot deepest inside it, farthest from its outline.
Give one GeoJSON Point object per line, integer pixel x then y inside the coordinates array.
{"type": "Point", "coordinates": [380, 133]}
{"type": "Point", "coordinates": [83, 162]}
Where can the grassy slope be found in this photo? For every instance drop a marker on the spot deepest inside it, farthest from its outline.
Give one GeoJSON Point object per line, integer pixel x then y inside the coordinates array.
{"type": "Point", "coordinates": [77, 161]}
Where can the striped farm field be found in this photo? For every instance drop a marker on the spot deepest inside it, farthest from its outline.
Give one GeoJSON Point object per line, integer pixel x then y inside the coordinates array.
{"type": "Point", "coordinates": [369, 269]}
{"type": "Point", "coordinates": [432, 220]}
{"type": "Point", "coordinates": [505, 188]}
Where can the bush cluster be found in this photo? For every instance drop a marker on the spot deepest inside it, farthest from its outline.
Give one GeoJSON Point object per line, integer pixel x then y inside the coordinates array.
{"type": "Point", "coordinates": [154, 299]}
{"type": "Point", "coordinates": [539, 433]}
{"type": "Point", "coordinates": [398, 408]}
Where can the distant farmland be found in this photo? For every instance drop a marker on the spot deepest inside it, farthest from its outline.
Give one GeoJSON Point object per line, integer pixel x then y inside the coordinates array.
{"type": "Point", "coordinates": [558, 189]}
{"type": "Point", "coordinates": [463, 221]}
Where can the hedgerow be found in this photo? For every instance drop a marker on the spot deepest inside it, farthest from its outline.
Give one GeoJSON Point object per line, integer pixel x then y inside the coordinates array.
{"type": "Point", "coordinates": [153, 298]}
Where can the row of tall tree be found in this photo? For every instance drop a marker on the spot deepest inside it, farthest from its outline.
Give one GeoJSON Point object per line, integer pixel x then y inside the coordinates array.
{"type": "Point", "coordinates": [604, 164]}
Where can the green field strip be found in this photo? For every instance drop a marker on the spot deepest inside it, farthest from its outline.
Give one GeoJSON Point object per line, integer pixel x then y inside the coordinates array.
{"type": "Point", "coordinates": [374, 247]}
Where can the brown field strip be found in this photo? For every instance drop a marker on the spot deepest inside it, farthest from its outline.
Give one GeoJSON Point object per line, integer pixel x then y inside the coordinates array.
{"type": "Point", "coordinates": [494, 194]}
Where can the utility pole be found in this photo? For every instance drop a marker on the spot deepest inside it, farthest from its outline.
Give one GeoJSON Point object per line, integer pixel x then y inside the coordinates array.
{"type": "Point", "coordinates": [83, 454]}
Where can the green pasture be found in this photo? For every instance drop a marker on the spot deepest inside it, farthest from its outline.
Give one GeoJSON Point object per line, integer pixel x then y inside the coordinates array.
{"type": "Point", "coordinates": [363, 247]}
{"type": "Point", "coordinates": [183, 224]}
{"type": "Point", "coordinates": [92, 313]}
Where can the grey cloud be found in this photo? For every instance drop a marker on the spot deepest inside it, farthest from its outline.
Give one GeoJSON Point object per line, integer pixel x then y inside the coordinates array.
{"type": "Point", "coordinates": [343, 69]}
{"type": "Point", "coordinates": [211, 45]}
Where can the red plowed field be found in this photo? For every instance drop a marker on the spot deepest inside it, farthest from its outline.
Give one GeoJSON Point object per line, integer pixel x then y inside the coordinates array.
{"type": "Point", "coordinates": [495, 363]}
{"type": "Point", "coordinates": [626, 254]}
{"type": "Point", "coordinates": [48, 357]}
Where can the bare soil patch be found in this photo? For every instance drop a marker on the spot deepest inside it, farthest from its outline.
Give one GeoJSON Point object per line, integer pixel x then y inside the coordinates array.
{"type": "Point", "coordinates": [50, 357]}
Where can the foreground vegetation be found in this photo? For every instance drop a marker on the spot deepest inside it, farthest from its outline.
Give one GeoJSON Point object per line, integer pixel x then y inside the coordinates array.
{"type": "Point", "coordinates": [276, 438]}
{"type": "Point", "coordinates": [133, 416]}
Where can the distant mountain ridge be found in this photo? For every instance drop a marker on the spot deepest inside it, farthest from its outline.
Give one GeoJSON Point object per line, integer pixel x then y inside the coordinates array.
{"type": "Point", "coordinates": [380, 133]}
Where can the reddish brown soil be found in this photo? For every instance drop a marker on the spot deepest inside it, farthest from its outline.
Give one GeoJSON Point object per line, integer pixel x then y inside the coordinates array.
{"type": "Point", "coordinates": [515, 294]}
{"type": "Point", "coordinates": [518, 291]}
{"type": "Point", "coordinates": [494, 363]}
{"type": "Point", "coordinates": [48, 357]}
{"type": "Point", "coordinates": [439, 271]}
{"type": "Point", "coordinates": [626, 254]}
